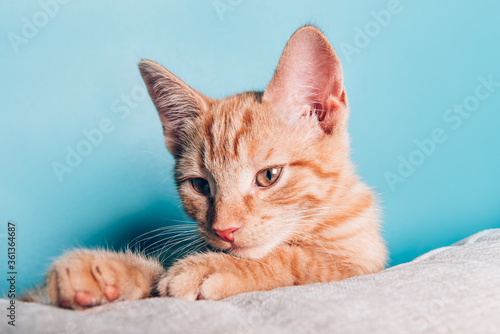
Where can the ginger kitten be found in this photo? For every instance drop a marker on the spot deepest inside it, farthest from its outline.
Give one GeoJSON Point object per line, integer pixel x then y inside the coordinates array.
{"type": "Point", "coordinates": [267, 177]}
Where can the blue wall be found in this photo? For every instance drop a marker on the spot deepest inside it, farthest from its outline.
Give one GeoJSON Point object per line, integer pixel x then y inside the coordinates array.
{"type": "Point", "coordinates": [69, 69]}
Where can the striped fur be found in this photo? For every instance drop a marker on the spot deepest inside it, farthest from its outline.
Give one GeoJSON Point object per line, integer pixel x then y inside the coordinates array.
{"type": "Point", "coordinates": [317, 223]}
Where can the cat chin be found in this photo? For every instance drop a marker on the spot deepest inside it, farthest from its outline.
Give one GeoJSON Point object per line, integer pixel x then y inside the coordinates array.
{"type": "Point", "coordinates": [251, 252]}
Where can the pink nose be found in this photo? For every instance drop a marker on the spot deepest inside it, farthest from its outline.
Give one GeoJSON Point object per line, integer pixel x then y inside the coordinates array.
{"type": "Point", "coordinates": [227, 234]}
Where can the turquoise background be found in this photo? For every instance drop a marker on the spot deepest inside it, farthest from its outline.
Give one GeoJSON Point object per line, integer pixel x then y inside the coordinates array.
{"type": "Point", "coordinates": [80, 68]}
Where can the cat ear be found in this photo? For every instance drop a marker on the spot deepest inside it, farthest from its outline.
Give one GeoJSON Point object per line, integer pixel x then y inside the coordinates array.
{"type": "Point", "coordinates": [176, 102]}
{"type": "Point", "coordinates": [308, 80]}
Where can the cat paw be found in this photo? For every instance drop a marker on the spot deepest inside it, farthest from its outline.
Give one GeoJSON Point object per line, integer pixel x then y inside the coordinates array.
{"type": "Point", "coordinates": [86, 278]}
{"type": "Point", "coordinates": [203, 276]}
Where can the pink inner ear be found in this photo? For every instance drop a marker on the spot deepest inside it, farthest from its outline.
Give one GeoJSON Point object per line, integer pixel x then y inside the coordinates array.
{"type": "Point", "coordinates": [308, 73]}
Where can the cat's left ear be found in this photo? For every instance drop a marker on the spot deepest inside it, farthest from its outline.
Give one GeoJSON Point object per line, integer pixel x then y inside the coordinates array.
{"type": "Point", "coordinates": [308, 81]}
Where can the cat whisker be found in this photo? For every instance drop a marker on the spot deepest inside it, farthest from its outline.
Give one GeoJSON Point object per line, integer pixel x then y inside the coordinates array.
{"type": "Point", "coordinates": [181, 249]}
{"type": "Point", "coordinates": [168, 245]}
{"type": "Point", "coordinates": [197, 248]}
{"type": "Point", "coordinates": [164, 170]}
{"type": "Point", "coordinates": [138, 238]}
{"type": "Point", "coordinates": [156, 154]}
{"type": "Point", "coordinates": [185, 249]}
{"type": "Point", "coordinates": [164, 231]}
{"type": "Point", "coordinates": [166, 179]}
{"type": "Point", "coordinates": [168, 239]}
{"type": "Point", "coordinates": [183, 223]}
{"type": "Point", "coordinates": [168, 234]}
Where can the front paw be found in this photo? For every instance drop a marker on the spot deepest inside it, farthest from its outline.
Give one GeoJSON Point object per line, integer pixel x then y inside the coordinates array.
{"type": "Point", "coordinates": [86, 278]}
{"type": "Point", "coordinates": [212, 276]}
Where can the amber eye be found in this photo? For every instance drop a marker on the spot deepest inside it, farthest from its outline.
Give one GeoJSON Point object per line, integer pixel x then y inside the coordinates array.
{"type": "Point", "coordinates": [268, 177]}
{"type": "Point", "coordinates": [201, 186]}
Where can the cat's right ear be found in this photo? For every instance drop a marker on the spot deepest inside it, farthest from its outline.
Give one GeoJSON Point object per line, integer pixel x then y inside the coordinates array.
{"type": "Point", "coordinates": [177, 103]}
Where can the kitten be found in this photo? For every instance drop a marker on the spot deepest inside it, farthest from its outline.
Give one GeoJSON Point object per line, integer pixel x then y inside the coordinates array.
{"type": "Point", "coordinates": [267, 177]}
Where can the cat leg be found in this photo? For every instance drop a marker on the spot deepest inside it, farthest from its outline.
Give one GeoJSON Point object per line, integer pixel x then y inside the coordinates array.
{"type": "Point", "coordinates": [85, 278]}
{"type": "Point", "coordinates": [216, 276]}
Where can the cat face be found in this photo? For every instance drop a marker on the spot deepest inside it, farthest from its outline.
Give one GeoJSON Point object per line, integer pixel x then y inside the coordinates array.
{"type": "Point", "coordinates": [259, 169]}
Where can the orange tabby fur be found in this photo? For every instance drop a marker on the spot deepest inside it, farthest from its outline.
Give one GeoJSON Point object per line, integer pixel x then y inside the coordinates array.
{"type": "Point", "coordinates": [317, 223]}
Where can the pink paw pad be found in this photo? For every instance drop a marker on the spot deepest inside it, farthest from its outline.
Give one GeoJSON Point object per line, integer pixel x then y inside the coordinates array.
{"type": "Point", "coordinates": [111, 292]}
{"type": "Point", "coordinates": [84, 298]}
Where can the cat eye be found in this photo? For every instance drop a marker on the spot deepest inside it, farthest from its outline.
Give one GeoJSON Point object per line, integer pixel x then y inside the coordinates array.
{"type": "Point", "coordinates": [268, 177]}
{"type": "Point", "coordinates": [200, 186]}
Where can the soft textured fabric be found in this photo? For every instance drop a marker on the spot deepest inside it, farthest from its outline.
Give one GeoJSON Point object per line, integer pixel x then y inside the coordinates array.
{"type": "Point", "coordinates": [454, 289]}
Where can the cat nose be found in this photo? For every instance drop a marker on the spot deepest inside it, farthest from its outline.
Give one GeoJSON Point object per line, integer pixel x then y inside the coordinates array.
{"type": "Point", "coordinates": [227, 234]}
